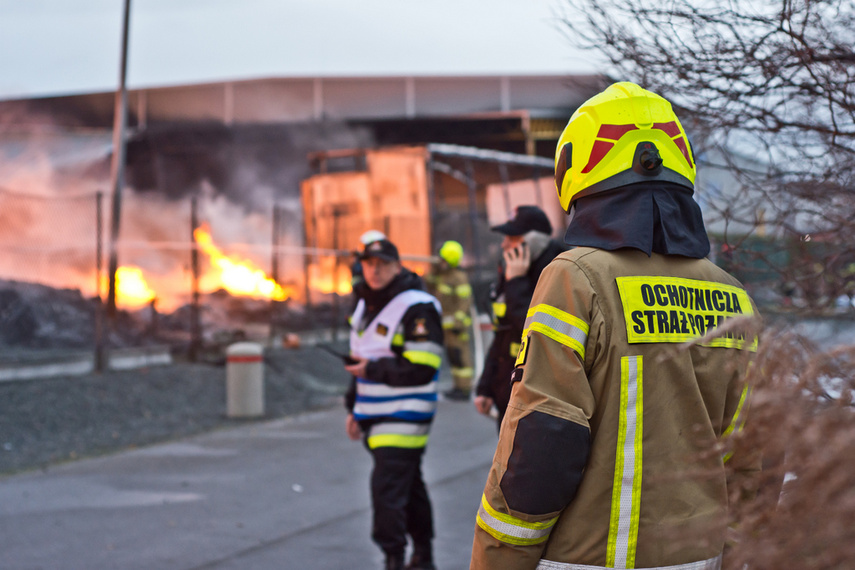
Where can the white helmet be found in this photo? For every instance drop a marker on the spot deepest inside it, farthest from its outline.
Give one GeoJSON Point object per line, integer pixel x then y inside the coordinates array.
{"type": "Point", "coordinates": [371, 236]}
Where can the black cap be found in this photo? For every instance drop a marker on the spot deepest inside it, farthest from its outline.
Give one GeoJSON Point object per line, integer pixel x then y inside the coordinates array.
{"type": "Point", "coordinates": [381, 249]}
{"type": "Point", "coordinates": [524, 220]}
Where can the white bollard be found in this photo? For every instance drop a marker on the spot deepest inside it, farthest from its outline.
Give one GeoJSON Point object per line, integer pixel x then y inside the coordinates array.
{"type": "Point", "coordinates": [244, 380]}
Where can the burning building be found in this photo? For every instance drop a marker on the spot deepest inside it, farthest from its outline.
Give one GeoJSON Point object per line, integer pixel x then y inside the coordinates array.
{"type": "Point", "coordinates": [420, 196]}
{"type": "Point", "coordinates": [259, 159]}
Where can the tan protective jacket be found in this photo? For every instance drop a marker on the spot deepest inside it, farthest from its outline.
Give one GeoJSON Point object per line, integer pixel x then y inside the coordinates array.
{"type": "Point", "coordinates": [607, 456]}
{"type": "Point", "coordinates": [451, 288]}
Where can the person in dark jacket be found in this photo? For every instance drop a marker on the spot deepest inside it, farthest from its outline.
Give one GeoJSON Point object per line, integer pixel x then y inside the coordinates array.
{"type": "Point", "coordinates": [396, 347]}
{"type": "Point", "coordinates": [527, 249]}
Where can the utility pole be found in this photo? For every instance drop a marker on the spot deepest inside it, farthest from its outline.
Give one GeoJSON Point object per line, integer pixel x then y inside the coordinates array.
{"type": "Point", "coordinates": [117, 165]}
{"type": "Point", "coordinates": [337, 213]}
{"type": "Point", "coordinates": [195, 312]}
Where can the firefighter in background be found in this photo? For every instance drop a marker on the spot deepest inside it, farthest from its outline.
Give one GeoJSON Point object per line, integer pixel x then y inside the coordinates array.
{"type": "Point", "coordinates": [527, 249]}
{"type": "Point", "coordinates": [608, 456]}
{"type": "Point", "coordinates": [450, 285]}
{"type": "Point", "coordinates": [396, 350]}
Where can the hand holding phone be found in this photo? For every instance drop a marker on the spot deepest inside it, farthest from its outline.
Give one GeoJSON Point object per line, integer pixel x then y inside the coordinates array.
{"type": "Point", "coordinates": [358, 368]}
{"type": "Point", "coordinates": [517, 261]}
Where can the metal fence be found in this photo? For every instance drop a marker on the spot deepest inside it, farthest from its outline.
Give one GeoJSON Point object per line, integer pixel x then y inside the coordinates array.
{"type": "Point", "coordinates": [192, 278]}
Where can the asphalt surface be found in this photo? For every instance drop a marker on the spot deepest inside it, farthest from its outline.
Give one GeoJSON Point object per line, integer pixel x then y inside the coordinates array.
{"type": "Point", "coordinates": [281, 494]}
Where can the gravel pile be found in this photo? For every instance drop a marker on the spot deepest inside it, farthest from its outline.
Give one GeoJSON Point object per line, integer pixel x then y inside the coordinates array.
{"type": "Point", "coordinates": [45, 421]}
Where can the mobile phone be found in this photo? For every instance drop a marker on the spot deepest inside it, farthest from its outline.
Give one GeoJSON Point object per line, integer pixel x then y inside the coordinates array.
{"type": "Point", "coordinates": [346, 358]}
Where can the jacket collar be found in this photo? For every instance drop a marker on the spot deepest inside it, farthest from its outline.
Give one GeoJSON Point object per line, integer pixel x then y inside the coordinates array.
{"type": "Point", "coordinates": [404, 281]}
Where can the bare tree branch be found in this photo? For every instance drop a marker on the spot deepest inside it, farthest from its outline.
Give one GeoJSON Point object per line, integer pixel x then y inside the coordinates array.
{"type": "Point", "coordinates": [771, 85]}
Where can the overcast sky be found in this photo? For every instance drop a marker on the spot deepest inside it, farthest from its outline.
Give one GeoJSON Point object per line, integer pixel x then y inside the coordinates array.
{"type": "Point", "coordinates": [72, 46]}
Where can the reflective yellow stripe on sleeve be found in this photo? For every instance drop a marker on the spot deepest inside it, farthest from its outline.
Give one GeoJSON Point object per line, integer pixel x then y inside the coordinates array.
{"type": "Point", "coordinates": [427, 353]}
{"type": "Point", "coordinates": [419, 357]}
{"type": "Point", "coordinates": [444, 289]}
{"type": "Point", "coordinates": [626, 492]}
{"type": "Point", "coordinates": [558, 325]}
{"type": "Point", "coordinates": [738, 421]}
{"type": "Point", "coordinates": [512, 530]}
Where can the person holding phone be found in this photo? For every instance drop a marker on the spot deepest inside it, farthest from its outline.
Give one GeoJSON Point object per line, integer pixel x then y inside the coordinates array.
{"type": "Point", "coordinates": [396, 342]}
{"type": "Point", "coordinates": [527, 248]}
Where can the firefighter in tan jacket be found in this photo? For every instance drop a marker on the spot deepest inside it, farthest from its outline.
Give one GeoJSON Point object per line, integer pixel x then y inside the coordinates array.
{"type": "Point", "coordinates": [450, 285]}
{"type": "Point", "coordinates": [623, 386]}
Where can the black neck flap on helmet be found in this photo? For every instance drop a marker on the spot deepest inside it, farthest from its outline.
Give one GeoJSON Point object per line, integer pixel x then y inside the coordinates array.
{"type": "Point", "coordinates": [654, 217]}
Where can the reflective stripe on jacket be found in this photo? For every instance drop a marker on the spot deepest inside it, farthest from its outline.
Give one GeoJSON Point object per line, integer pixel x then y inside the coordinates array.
{"type": "Point", "coordinates": [710, 564]}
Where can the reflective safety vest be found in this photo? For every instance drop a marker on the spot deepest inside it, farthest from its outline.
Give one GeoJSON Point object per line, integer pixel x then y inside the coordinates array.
{"type": "Point", "coordinates": [401, 415]}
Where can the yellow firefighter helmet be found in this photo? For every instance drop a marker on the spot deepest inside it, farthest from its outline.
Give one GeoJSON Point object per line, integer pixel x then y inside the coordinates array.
{"type": "Point", "coordinates": [452, 252]}
{"type": "Point", "coordinates": [625, 134]}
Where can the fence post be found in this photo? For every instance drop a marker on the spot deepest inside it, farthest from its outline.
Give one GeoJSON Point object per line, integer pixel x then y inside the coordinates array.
{"type": "Point", "coordinates": [99, 303]}
{"type": "Point", "coordinates": [274, 267]}
{"type": "Point", "coordinates": [471, 186]}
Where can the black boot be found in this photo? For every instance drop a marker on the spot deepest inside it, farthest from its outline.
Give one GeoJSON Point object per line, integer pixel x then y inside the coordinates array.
{"type": "Point", "coordinates": [422, 559]}
{"type": "Point", "coordinates": [394, 562]}
{"type": "Point", "coordinates": [457, 394]}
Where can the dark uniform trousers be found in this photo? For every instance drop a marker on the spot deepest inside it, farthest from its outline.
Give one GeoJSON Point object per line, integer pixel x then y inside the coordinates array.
{"type": "Point", "coordinates": [400, 499]}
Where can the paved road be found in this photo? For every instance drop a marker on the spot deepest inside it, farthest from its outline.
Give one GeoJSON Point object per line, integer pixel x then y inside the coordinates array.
{"type": "Point", "coordinates": [284, 494]}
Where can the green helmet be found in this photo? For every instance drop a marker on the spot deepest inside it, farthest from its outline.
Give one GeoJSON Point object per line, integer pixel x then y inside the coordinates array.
{"type": "Point", "coordinates": [452, 252]}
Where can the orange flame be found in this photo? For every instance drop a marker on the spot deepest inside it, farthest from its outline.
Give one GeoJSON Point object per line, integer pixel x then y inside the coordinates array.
{"type": "Point", "coordinates": [132, 290]}
{"type": "Point", "coordinates": [328, 277]}
{"type": "Point", "coordinates": [238, 277]}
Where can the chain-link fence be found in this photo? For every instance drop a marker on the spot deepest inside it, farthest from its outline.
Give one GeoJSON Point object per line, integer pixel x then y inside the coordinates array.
{"type": "Point", "coordinates": [193, 276]}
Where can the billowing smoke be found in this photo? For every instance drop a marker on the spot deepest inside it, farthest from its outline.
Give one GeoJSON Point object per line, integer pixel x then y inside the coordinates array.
{"type": "Point", "coordinates": [49, 177]}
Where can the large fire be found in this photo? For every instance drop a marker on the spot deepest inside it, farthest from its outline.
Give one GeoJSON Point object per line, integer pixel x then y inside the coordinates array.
{"type": "Point", "coordinates": [238, 277]}
{"type": "Point", "coordinates": [132, 290]}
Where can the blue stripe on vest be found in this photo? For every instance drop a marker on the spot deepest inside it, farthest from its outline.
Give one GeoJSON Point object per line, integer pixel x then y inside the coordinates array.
{"type": "Point", "coordinates": [375, 399]}
{"type": "Point", "coordinates": [406, 416]}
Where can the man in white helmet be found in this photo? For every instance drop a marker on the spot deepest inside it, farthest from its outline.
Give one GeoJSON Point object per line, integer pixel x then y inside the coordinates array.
{"type": "Point", "coordinates": [395, 355]}
{"type": "Point", "coordinates": [357, 279]}
{"type": "Point", "coordinates": [626, 383]}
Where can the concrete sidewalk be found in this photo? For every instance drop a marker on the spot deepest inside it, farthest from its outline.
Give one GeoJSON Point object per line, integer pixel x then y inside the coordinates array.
{"type": "Point", "coordinates": [284, 494]}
